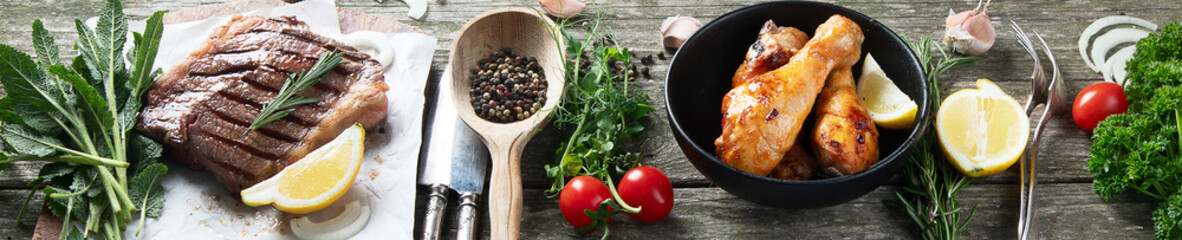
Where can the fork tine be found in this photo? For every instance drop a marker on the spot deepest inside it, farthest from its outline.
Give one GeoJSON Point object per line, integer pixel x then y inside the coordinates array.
{"type": "Point", "coordinates": [1050, 56]}
{"type": "Point", "coordinates": [1022, 39]}
{"type": "Point", "coordinates": [1058, 98]}
{"type": "Point", "coordinates": [1037, 76]}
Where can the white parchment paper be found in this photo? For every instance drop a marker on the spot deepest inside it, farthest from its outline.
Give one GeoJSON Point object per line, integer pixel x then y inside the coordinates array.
{"type": "Point", "coordinates": [198, 207]}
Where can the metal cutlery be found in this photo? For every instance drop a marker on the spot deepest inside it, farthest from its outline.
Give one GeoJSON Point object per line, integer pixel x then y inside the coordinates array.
{"type": "Point", "coordinates": [453, 156]}
{"type": "Point", "coordinates": [1052, 94]}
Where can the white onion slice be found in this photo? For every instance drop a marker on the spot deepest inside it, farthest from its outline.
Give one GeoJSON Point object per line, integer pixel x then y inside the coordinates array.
{"type": "Point", "coordinates": [1102, 23]}
{"type": "Point", "coordinates": [1110, 40]}
{"type": "Point", "coordinates": [343, 226]}
{"type": "Point", "coordinates": [373, 41]}
{"type": "Point", "coordinates": [1114, 70]}
{"type": "Point", "coordinates": [417, 8]}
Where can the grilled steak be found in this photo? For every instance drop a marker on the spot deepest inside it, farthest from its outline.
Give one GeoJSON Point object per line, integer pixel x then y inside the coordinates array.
{"type": "Point", "coordinates": [201, 109]}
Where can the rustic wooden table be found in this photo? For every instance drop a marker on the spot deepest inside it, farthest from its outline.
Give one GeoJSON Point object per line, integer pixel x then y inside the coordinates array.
{"type": "Point", "coordinates": [1068, 209]}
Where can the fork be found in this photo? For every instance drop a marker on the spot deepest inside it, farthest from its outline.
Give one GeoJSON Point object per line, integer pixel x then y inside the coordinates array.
{"type": "Point", "coordinates": [1056, 103]}
{"type": "Point", "coordinates": [1039, 85]}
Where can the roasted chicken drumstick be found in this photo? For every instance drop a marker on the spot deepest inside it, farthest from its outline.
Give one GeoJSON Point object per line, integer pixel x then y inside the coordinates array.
{"type": "Point", "coordinates": [762, 118]}
{"type": "Point", "coordinates": [845, 140]}
{"type": "Point", "coordinates": [774, 47]}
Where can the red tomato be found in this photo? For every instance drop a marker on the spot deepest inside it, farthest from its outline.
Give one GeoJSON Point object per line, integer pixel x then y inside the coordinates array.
{"type": "Point", "coordinates": [582, 193]}
{"type": "Point", "coordinates": [648, 188]}
{"type": "Point", "coordinates": [1096, 102]}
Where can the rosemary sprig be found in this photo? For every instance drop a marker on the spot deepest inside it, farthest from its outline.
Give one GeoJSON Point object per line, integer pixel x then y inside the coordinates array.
{"type": "Point", "coordinates": [286, 100]}
{"type": "Point", "coordinates": [929, 194]}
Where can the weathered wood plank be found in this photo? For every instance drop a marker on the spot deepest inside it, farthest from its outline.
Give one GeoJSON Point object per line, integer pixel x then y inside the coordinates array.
{"type": "Point", "coordinates": [1071, 210]}
{"type": "Point", "coordinates": [12, 200]}
{"type": "Point", "coordinates": [1066, 211]}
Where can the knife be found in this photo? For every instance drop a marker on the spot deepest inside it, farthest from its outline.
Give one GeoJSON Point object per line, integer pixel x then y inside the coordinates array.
{"type": "Point", "coordinates": [455, 156]}
{"type": "Point", "coordinates": [468, 180]}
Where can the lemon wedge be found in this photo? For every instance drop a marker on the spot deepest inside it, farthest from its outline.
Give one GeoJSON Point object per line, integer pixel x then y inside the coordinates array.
{"type": "Point", "coordinates": [982, 131]}
{"type": "Point", "coordinates": [315, 181]}
{"type": "Point", "coordinates": [888, 106]}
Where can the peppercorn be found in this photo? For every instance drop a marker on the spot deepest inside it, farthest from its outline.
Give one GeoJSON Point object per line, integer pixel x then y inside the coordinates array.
{"type": "Point", "coordinates": [506, 87]}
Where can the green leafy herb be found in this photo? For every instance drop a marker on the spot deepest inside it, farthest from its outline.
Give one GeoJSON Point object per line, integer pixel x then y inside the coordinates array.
{"type": "Point", "coordinates": [79, 117]}
{"type": "Point", "coordinates": [604, 108]}
{"type": "Point", "coordinates": [1167, 219]}
{"type": "Point", "coordinates": [286, 100]}
{"type": "Point", "coordinates": [1141, 149]}
{"type": "Point", "coordinates": [931, 183]}
{"type": "Point", "coordinates": [601, 104]}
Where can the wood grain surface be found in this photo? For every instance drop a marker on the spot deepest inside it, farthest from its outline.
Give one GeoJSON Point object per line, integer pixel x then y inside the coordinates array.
{"type": "Point", "coordinates": [1068, 209]}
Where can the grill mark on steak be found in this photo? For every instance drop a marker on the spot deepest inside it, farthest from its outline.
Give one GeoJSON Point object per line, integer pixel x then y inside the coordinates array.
{"type": "Point", "coordinates": [239, 145]}
{"type": "Point", "coordinates": [271, 133]}
{"type": "Point", "coordinates": [267, 79]}
{"type": "Point", "coordinates": [201, 108]}
{"type": "Point", "coordinates": [256, 94]}
{"type": "Point", "coordinates": [221, 64]}
{"type": "Point", "coordinates": [270, 40]}
{"type": "Point", "coordinates": [303, 118]}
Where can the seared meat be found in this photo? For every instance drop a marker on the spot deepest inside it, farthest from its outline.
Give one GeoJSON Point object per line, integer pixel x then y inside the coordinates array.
{"type": "Point", "coordinates": [200, 110]}
{"type": "Point", "coordinates": [796, 165]}
{"type": "Point", "coordinates": [762, 118]}
{"type": "Point", "coordinates": [845, 140]}
{"type": "Point", "coordinates": [774, 47]}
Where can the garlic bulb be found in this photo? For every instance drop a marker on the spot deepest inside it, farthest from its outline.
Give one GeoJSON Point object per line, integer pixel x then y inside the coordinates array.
{"type": "Point", "coordinates": [675, 30]}
{"type": "Point", "coordinates": [969, 32]}
{"type": "Point", "coordinates": [562, 8]}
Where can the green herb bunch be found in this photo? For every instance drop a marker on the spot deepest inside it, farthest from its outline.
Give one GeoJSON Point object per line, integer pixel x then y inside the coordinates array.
{"type": "Point", "coordinates": [931, 184]}
{"type": "Point", "coordinates": [78, 117]}
{"type": "Point", "coordinates": [1141, 149]}
{"type": "Point", "coordinates": [601, 104]}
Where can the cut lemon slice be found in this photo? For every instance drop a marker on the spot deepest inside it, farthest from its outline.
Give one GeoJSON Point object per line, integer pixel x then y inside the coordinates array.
{"type": "Point", "coordinates": [315, 181]}
{"type": "Point", "coordinates": [888, 106]}
{"type": "Point", "coordinates": [982, 131]}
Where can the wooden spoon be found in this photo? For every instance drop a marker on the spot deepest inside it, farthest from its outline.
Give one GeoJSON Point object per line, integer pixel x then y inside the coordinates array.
{"type": "Point", "coordinates": [528, 34]}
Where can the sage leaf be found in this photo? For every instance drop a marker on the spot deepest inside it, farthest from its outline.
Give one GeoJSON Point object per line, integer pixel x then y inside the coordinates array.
{"type": "Point", "coordinates": [146, 191]}
{"type": "Point", "coordinates": [27, 141]}
{"type": "Point", "coordinates": [44, 46]}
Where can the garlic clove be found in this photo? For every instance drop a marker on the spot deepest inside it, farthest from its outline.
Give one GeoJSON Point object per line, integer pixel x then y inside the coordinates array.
{"type": "Point", "coordinates": [973, 35]}
{"type": "Point", "coordinates": [970, 32]}
{"type": "Point", "coordinates": [955, 19]}
{"type": "Point", "coordinates": [562, 8]}
{"type": "Point", "coordinates": [981, 29]}
{"type": "Point", "coordinates": [675, 30]}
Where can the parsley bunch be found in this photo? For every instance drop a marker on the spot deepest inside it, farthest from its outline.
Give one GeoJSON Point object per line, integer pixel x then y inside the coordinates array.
{"type": "Point", "coordinates": [1142, 149]}
{"type": "Point", "coordinates": [78, 116]}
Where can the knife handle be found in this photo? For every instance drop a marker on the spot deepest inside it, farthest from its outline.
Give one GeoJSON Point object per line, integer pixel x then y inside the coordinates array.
{"type": "Point", "coordinates": [467, 216]}
{"type": "Point", "coordinates": [436, 203]}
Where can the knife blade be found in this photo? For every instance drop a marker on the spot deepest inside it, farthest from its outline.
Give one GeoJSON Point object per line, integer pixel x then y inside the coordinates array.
{"type": "Point", "coordinates": [450, 151]}
{"type": "Point", "coordinates": [468, 180]}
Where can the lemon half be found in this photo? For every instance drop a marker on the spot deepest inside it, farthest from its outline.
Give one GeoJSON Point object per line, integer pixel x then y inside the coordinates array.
{"type": "Point", "coordinates": [888, 106]}
{"type": "Point", "coordinates": [982, 131]}
{"type": "Point", "coordinates": [315, 181]}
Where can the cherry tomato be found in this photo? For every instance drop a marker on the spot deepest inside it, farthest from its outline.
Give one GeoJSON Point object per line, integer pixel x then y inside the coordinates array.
{"type": "Point", "coordinates": [1096, 102]}
{"type": "Point", "coordinates": [648, 188]}
{"type": "Point", "coordinates": [582, 193]}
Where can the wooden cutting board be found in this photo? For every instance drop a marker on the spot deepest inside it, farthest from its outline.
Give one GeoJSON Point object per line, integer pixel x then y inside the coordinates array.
{"type": "Point", "coordinates": [49, 226]}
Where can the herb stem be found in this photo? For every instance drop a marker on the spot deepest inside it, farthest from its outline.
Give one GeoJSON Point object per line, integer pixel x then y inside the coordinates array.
{"type": "Point", "coordinates": [616, 194]}
{"type": "Point", "coordinates": [285, 102]}
{"type": "Point", "coordinates": [119, 199]}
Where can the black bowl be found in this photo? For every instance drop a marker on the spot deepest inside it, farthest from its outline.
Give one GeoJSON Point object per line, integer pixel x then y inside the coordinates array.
{"type": "Point", "coordinates": [700, 75]}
